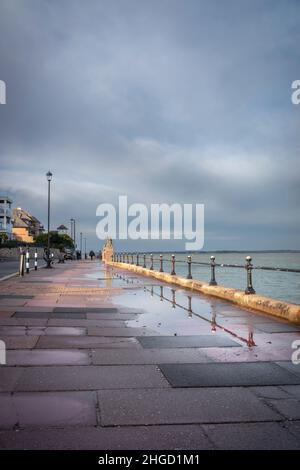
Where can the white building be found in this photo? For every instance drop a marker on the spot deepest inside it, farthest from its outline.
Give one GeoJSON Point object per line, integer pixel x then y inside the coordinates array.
{"type": "Point", "coordinates": [5, 215]}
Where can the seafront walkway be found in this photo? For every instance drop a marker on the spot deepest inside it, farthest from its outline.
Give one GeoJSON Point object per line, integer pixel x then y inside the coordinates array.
{"type": "Point", "coordinates": [102, 358]}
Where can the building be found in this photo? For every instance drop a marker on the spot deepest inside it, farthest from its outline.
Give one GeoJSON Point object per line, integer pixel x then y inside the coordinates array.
{"type": "Point", "coordinates": [107, 250]}
{"type": "Point", "coordinates": [5, 216]}
{"type": "Point", "coordinates": [25, 226]}
{"type": "Point", "coordinates": [62, 230]}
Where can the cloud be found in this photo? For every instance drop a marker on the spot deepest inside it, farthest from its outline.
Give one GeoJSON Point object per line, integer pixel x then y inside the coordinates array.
{"type": "Point", "coordinates": [166, 101]}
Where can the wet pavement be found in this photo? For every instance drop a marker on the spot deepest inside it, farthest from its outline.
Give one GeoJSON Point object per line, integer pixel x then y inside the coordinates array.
{"type": "Point", "coordinates": [98, 358]}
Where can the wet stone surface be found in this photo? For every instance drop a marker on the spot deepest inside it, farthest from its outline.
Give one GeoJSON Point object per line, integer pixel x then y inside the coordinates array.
{"type": "Point", "coordinates": [102, 358]}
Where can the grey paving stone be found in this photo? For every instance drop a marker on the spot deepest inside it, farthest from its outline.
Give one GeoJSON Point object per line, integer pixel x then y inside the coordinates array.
{"type": "Point", "coordinates": [19, 342]}
{"type": "Point", "coordinates": [85, 342]}
{"type": "Point", "coordinates": [115, 438]}
{"type": "Point", "coordinates": [23, 321]}
{"type": "Point", "coordinates": [292, 391]}
{"type": "Point", "coordinates": [36, 315]}
{"type": "Point", "coordinates": [65, 330]}
{"type": "Point", "coordinates": [199, 341]}
{"type": "Point", "coordinates": [16, 296]}
{"type": "Point", "coordinates": [125, 332]}
{"type": "Point", "coordinates": [49, 409]}
{"type": "Point", "coordinates": [227, 374]}
{"type": "Point", "coordinates": [9, 377]}
{"type": "Point", "coordinates": [111, 316]}
{"type": "Point", "coordinates": [294, 428]}
{"type": "Point", "coordinates": [147, 356]}
{"type": "Point", "coordinates": [8, 414]}
{"type": "Point", "coordinates": [89, 378]}
{"type": "Point", "coordinates": [85, 323]}
{"type": "Point", "coordinates": [44, 357]}
{"type": "Point", "coordinates": [68, 316]}
{"type": "Point", "coordinates": [288, 365]}
{"type": "Point", "coordinates": [251, 436]}
{"type": "Point", "coordinates": [277, 327]}
{"type": "Point", "coordinates": [169, 406]}
{"type": "Point", "coordinates": [273, 392]}
{"type": "Point", "coordinates": [85, 310]}
{"type": "Point", "coordinates": [289, 408]}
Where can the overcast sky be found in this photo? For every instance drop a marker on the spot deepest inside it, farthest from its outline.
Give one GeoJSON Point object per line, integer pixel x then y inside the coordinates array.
{"type": "Point", "coordinates": [161, 100]}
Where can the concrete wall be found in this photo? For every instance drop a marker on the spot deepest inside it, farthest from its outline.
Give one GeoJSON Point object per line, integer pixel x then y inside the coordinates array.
{"type": "Point", "coordinates": [14, 253]}
{"type": "Point", "coordinates": [267, 305]}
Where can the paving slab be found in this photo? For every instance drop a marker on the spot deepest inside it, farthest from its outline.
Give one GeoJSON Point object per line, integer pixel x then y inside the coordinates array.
{"type": "Point", "coordinates": [19, 342]}
{"type": "Point", "coordinates": [193, 341]}
{"type": "Point", "coordinates": [147, 356]}
{"type": "Point", "coordinates": [233, 374]}
{"type": "Point", "coordinates": [48, 409]}
{"type": "Point", "coordinates": [16, 296]}
{"type": "Point", "coordinates": [86, 323]}
{"type": "Point", "coordinates": [189, 437]}
{"type": "Point", "coordinates": [277, 328]}
{"type": "Point", "coordinates": [125, 332]}
{"type": "Point", "coordinates": [85, 342]}
{"type": "Point", "coordinates": [169, 406]}
{"type": "Point", "coordinates": [272, 392]}
{"type": "Point", "coordinates": [85, 310]}
{"type": "Point", "coordinates": [43, 357]}
{"type": "Point", "coordinates": [291, 390]}
{"type": "Point", "coordinates": [251, 436]}
{"type": "Point", "coordinates": [87, 377]}
{"type": "Point", "coordinates": [32, 315]}
{"type": "Point", "coordinates": [9, 377]}
{"type": "Point", "coordinates": [289, 408]}
{"type": "Point", "coordinates": [65, 330]}
{"type": "Point", "coordinates": [288, 365]}
{"type": "Point", "coordinates": [112, 316]}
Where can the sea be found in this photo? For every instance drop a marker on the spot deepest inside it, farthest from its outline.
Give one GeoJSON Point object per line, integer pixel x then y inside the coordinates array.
{"type": "Point", "coordinates": [276, 284]}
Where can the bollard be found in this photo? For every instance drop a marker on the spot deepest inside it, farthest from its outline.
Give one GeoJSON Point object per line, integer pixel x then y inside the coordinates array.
{"type": "Point", "coordinates": [137, 259]}
{"type": "Point", "coordinates": [173, 273]}
{"type": "Point", "coordinates": [249, 267]}
{"type": "Point", "coordinates": [161, 269]}
{"type": "Point", "coordinates": [35, 260]}
{"type": "Point", "coordinates": [151, 262]}
{"type": "Point", "coordinates": [161, 293]}
{"type": "Point", "coordinates": [144, 265]}
{"type": "Point", "coordinates": [27, 261]}
{"type": "Point", "coordinates": [173, 298]}
{"type": "Point", "coordinates": [213, 281]}
{"type": "Point", "coordinates": [189, 263]}
{"type": "Point", "coordinates": [21, 266]}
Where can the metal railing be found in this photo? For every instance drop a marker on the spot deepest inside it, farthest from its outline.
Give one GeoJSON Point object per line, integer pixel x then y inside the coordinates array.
{"type": "Point", "coordinates": [148, 263]}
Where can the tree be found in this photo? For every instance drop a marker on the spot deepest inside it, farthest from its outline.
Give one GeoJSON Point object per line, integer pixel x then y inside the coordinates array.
{"type": "Point", "coordinates": [56, 240]}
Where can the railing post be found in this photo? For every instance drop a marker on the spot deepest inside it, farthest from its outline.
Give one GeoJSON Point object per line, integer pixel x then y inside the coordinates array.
{"type": "Point", "coordinates": [161, 269]}
{"type": "Point", "coordinates": [249, 267]}
{"type": "Point", "coordinates": [189, 263]}
{"type": "Point", "coordinates": [127, 258]}
{"type": "Point", "coordinates": [35, 259]}
{"type": "Point", "coordinates": [173, 298]}
{"type": "Point", "coordinates": [161, 293]}
{"type": "Point", "coordinates": [144, 265]}
{"type": "Point", "coordinates": [132, 262]}
{"type": "Point", "coordinates": [213, 281]}
{"type": "Point", "coordinates": [27, 260]}
{"type": "Point", "coordinates": [137, 259]}
{"type": "Point", "coordinates": [173, 273]}
{"type": "Point", "coordinates": [190, 311]}
{"type": "Point", "coordinates": [151, 262]}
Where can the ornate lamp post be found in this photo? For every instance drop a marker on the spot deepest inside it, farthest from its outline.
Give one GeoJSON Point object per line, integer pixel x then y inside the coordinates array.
{"type": "Point", "coordinates": [48, 258]}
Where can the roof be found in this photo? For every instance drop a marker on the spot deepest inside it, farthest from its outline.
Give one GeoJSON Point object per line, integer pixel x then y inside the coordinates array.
{"type": "Point", "coordinates": [62, 227]}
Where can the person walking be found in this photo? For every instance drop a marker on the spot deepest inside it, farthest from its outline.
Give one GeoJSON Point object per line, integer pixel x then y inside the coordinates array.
{"type": "Point", "coordinates": [92, 255]}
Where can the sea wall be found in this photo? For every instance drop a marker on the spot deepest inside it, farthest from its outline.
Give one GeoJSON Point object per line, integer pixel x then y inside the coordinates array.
{"type": "Point", "coordinates": [260, 303]}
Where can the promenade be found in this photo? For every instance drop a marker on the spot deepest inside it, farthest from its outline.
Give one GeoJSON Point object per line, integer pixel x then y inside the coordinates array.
{"type": "Point", "coordinates": [102, 358]}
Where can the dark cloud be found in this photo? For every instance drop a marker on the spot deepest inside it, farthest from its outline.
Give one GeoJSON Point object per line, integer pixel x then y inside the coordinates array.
{"type": "Point", "coordinates": [164, 101]}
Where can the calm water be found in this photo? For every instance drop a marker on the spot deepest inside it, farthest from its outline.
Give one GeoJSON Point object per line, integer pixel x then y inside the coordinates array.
{"type": "Point", "coordinates": [276, 284]}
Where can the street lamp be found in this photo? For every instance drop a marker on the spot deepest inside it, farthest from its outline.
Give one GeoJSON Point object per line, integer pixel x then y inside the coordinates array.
{"type": "Point", "coordinates": [80, 244]}
{"type": "Point", "coordinates": [85, 255]}
{"type": "Point", "coordinates": [49, 178]}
